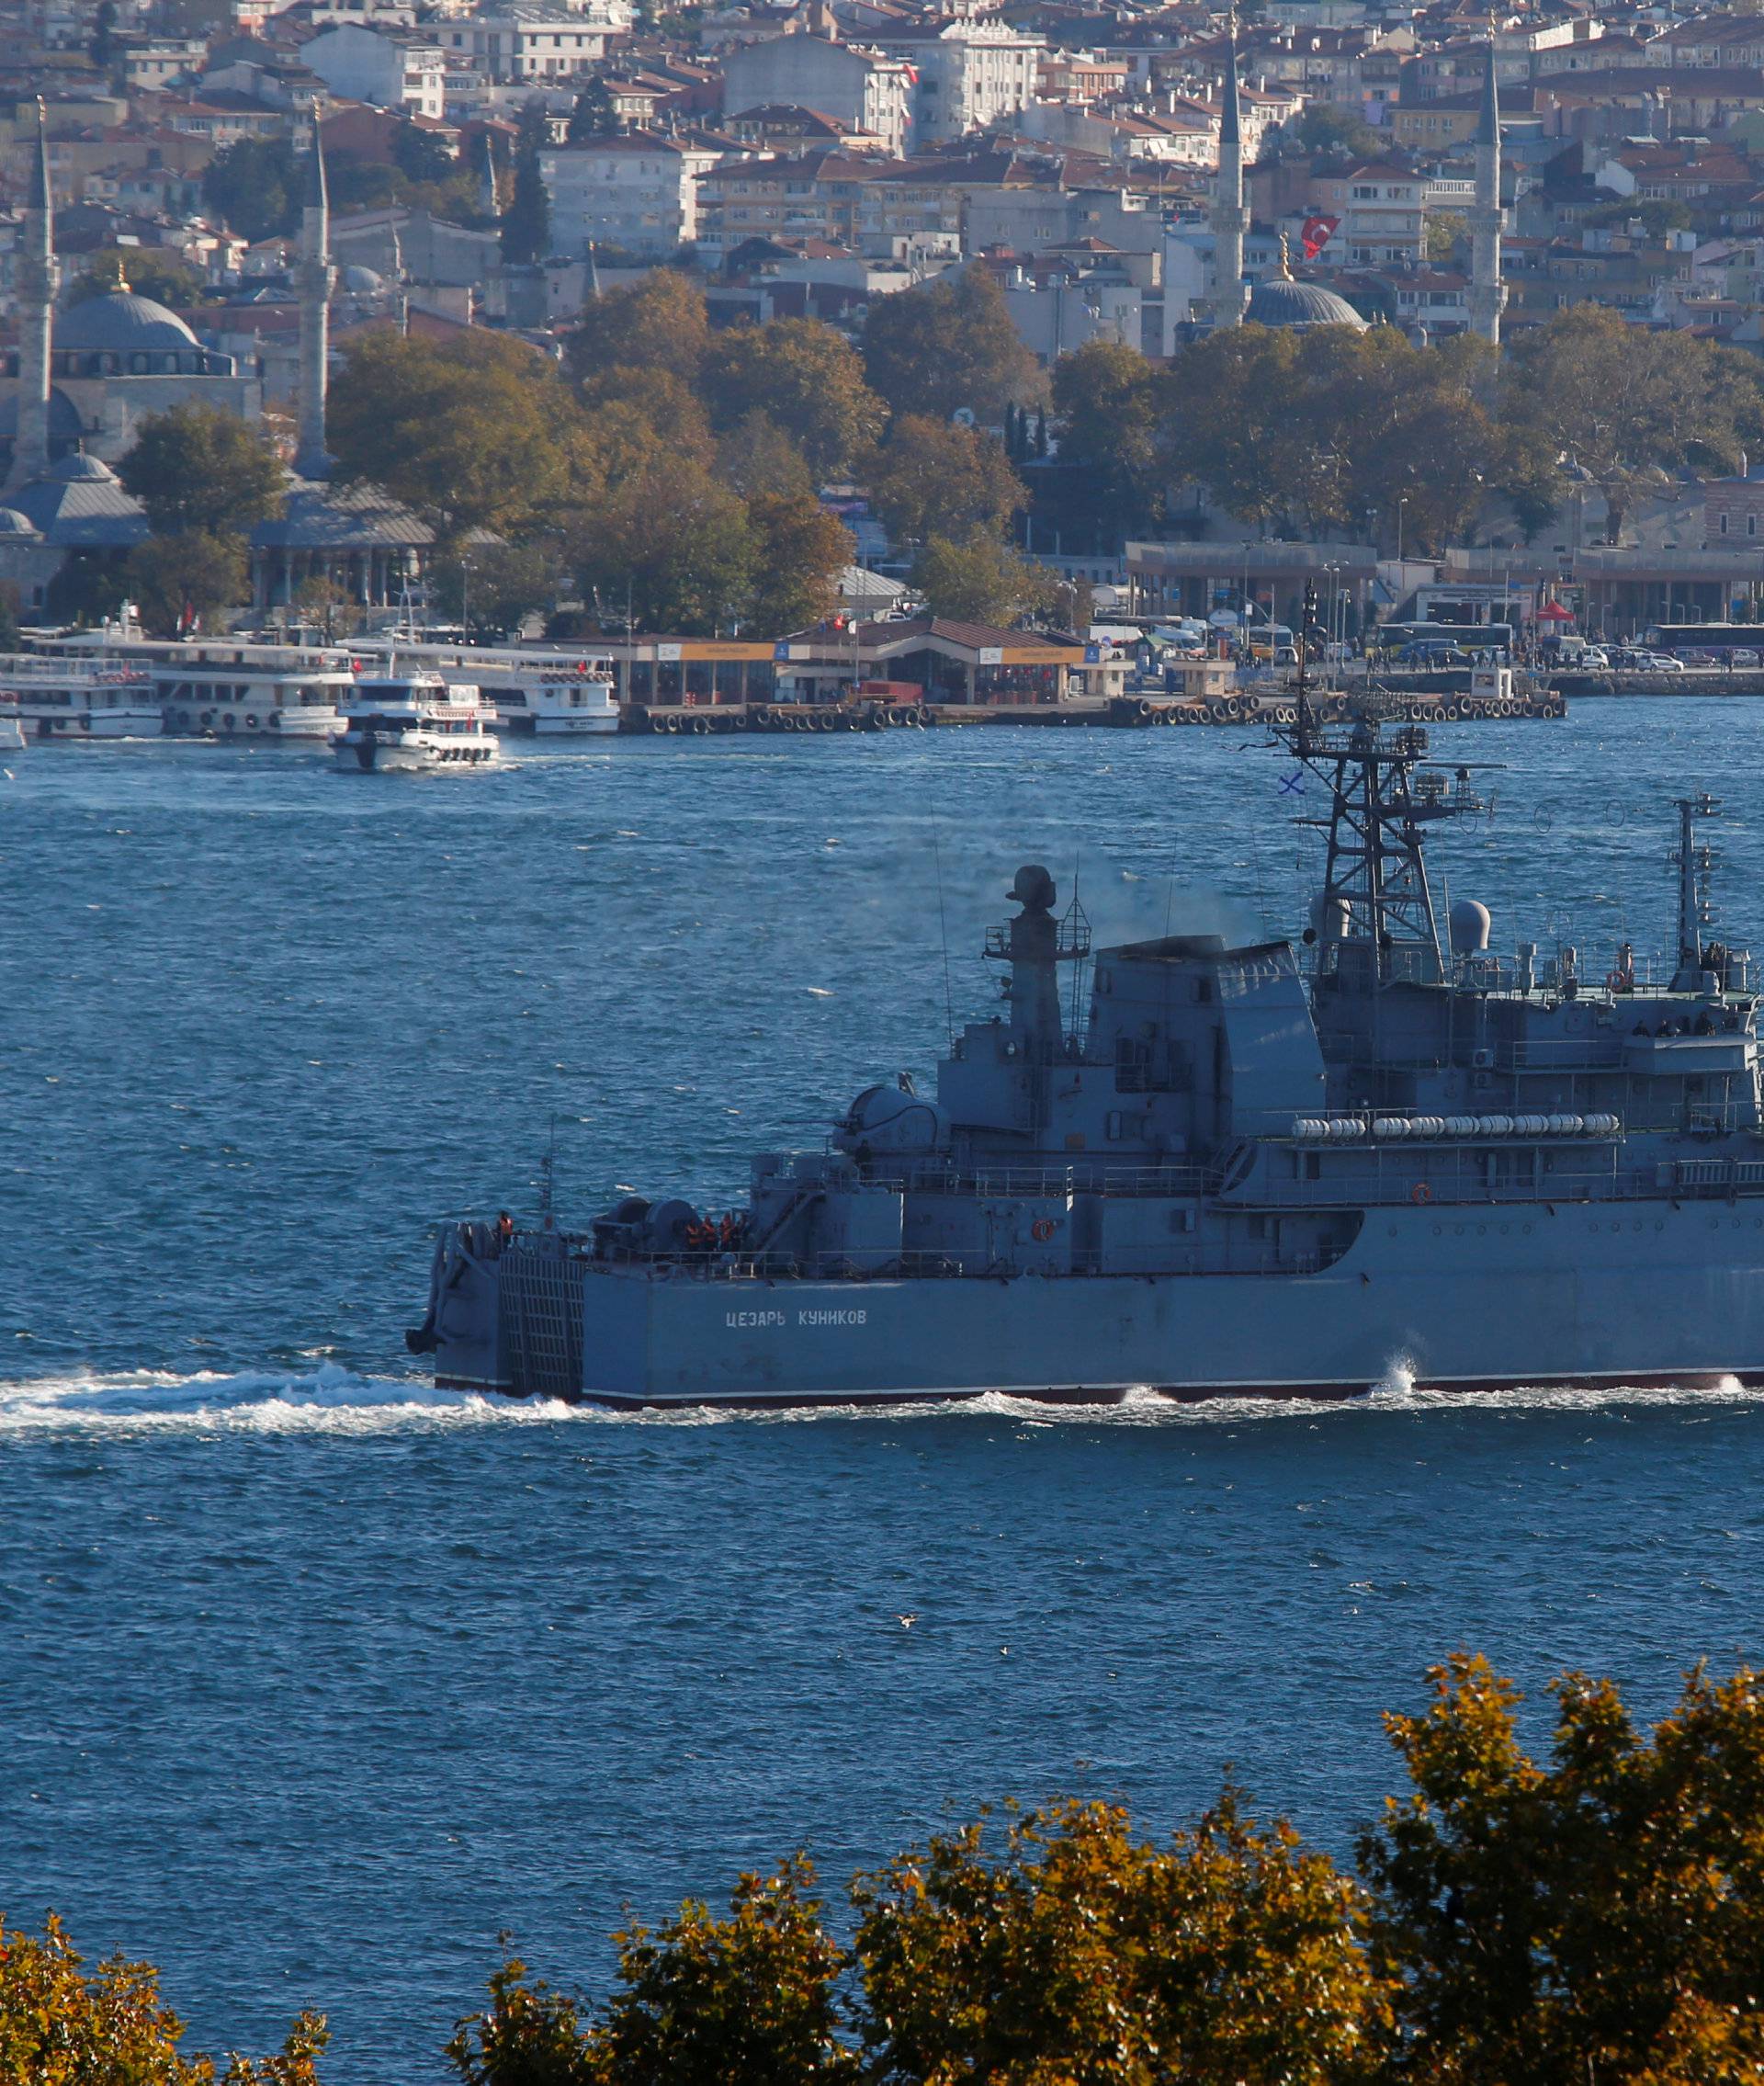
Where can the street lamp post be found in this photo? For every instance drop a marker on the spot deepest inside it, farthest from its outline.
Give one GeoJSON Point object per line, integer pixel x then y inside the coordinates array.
{"type": "Point", "coordinates": [1401, 502]}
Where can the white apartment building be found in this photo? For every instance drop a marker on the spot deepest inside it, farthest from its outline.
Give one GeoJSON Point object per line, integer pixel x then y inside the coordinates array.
{"type": "Point", "coordinates": [386, 67]}
{"type": "Point", "coordinates": [369, 14]}
{"type": "Point", "coordinates": [164, 62]}
{"type": "Point", "coordinates": [639, 192]}
{"type": "Point", "coordinates": [535, 44]}
{"type": "Point", "coordinates": [1384, 218]}
{"type": "Point", "coordinates": [969, 74]}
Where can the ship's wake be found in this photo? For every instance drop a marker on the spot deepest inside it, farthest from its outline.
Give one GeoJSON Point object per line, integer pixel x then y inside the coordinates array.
{"type": "Point", "coordinates": [330, 1400]}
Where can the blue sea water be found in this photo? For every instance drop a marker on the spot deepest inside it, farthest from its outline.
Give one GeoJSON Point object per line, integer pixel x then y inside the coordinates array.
{"type": "Point", "coordinates": [312, 1679]}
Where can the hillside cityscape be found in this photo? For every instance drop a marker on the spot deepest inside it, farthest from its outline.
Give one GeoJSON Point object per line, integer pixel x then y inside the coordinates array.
{"type": "Point", "coordinates": [593, 320]}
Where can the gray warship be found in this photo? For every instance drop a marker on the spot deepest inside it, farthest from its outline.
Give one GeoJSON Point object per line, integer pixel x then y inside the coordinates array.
{"type": "Point", "coordinates": [1280, 1170]}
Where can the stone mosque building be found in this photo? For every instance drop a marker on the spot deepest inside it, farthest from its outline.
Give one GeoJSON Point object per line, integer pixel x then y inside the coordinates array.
{"type": "Point", "coordinates": [1278, 300]}
{"type": "Point", "coordinates": [80, 382]}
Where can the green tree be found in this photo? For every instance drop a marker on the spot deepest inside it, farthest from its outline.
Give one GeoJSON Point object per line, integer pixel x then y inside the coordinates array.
{"type": "Point", "coordinates": [357, 184]}
{"type": "Point", "coordinates": [1078, 1952]}
{"type": "Point", "coordinates": [197, 467]}
{"type": "Point", "coordinates": [1655, 215]}
{"type": "Point", "coordinates": [932, 478]}
{"type": "Point", "coordinates": [474, 432]}
{"type": "Point", "coordinates": [527, 224]}
{"type": "Point", "coordinates": [1108, 397]}
{"type": "Point", "coordinates": [1229, 420]}
{"type": "Point", "coordinates": [321, 600]}
{"type": "Point", "coordinates": [979, 579]}
{"type": "Point", "coordinates": [1323, 128]}
{"type": "Point", "coordinates": [1446, 230]}
{"type": "Point", "coordinates": [419, 155]}
{"type": "Point", "coordinates": [947, 346]}
{"type": "Point", "coordinates": [254, 185]}
{"type": "Point", "coordinates": [799, 551]}
{"type": "Point", "coordinates": [1625, 405]}
{"type": "Point", "coordinates": [1597, 1917]}
{"type": "Point", "coordinates": [181, 581]}
{"type": "Point", "coordinates": [666, 402]}
{"type": "Point", "coordinates": [495, 587]}
{"type": "Point", "coordinates": [149, 271]}
{"type": "Point", "coordinates": [531, 2035]}
{"type": "Point", "coordinates": [805, 377]}
{"type": "Point", "coordinates": [672, 541]}
{"type": "Point", "coordinates": [756, 456]}
{"type": "Point", "coordinates": [88, 588]}
{"type": "Point", "coordinates": [746, 2001]}
{"type": "Point", "coordinates": [61, 2024]}
{"type": "Point", "coordinates": [594, 115]}
{"type": "Point", "coordinates": [659, 322]}
{"type": "Point", "coordinates": [102, 48]}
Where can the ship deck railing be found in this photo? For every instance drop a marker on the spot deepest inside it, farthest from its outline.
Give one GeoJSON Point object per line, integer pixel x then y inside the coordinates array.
{"type": "Point", "coordinates": [1029, 1184]}
{"type": "Point", "coordinates": [1393, 1184]}
{"type": "Point", "coordinates": [1190, 1256]}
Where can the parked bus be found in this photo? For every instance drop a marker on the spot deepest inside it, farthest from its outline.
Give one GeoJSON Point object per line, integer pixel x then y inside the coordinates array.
{"type": "Point", "coordinates": [1467, 637]}
{"type": "Point", "coordinates": [1683, 639]}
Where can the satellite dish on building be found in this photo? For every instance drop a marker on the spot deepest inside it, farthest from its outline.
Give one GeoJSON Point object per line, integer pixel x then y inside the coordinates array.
{"type": "Point", "coordinates": [963, 416]}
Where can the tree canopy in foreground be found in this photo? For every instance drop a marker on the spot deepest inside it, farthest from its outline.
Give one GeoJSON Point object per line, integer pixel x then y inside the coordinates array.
{"type": "Point", "coordinates": [1593, 1917]}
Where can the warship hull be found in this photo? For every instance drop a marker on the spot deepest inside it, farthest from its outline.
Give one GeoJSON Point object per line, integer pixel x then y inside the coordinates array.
{"type": "Point", "coordinates": [1451, 1299]}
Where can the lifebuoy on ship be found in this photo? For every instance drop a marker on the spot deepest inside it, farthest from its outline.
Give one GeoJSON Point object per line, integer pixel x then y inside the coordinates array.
{"type": "Point", "coordinates": [1420, 1193]}
{"type": "Point", "coordinates": [1041, 1229]}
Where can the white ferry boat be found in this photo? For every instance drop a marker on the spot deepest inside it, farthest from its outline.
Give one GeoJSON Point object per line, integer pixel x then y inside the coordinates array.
{"type": "Point", "coordinates": [80, 699]}
{"type": "Point", "coordinates": [12, 730]}
{"type": "Point", "coordinates": [216, 688]}
{"type": "Point", "coordinates": [534, 695]}
{"type": "Point", "coordinates": [415, 722]}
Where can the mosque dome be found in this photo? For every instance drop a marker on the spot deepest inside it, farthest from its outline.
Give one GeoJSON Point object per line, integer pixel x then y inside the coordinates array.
{"type": "Point", "coordinates": [79, 467]}
{"type": "Point", "coordinates": [14, 524]}
{"type": "Point", "coordinates": [362, 282]}
{"type": "Point", "coordinates": [1296, 307]}
{"type": "Point", "coordinates": [119, 323]}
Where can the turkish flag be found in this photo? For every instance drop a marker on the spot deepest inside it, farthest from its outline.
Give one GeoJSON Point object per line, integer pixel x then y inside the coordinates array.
{"type": "Point", "coordinates": [1315, 235]}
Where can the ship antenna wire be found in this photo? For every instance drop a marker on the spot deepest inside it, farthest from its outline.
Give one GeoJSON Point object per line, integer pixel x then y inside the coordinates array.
{"type": "Point", "coordinates": [943, 928]}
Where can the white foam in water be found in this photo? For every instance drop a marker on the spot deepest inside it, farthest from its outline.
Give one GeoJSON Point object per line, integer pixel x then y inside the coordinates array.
{"type": "Point", "coordinates": [333, 1401]}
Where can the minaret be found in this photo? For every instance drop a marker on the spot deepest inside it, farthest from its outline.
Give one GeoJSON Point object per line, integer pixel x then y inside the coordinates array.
{"type": "Point", "coordinates": [1229, 219]}
{"type": "Point", "coordinates": [37, 279]}
{"type": "Point", "coordinates": [1487, 292]}
{"type": "Point", "coordinates": [315, 278]}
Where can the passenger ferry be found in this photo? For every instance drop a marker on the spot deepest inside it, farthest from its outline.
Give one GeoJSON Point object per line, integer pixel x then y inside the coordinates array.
{"type": "Point", "coordinates": [79, 699]}
{"type": "Point", "coordinates": [534, 695]}
{"type": "Point", "coordinates": [12, 732]}
{"type": "Point", "coordinates": [228, 690]}
{"type": "Point", "coordinates": [412, 723]}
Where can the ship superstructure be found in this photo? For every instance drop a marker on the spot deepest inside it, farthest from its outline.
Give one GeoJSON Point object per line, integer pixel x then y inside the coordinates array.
{"type": "Point", "coordinates": [1205, 1169]}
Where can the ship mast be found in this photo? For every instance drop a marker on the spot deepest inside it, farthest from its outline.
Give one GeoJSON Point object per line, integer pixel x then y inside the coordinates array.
{"type": "Point", "coordinates": [1374, 923]}
{"type": "Point", "coordinates": [1694, 861]}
